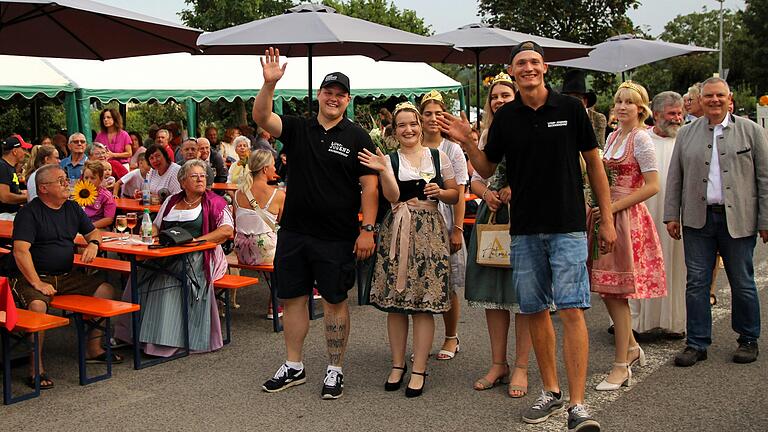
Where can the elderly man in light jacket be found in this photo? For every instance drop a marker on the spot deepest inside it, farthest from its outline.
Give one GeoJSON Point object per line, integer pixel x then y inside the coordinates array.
{"type": "Point", "coordinates": [717, 190]}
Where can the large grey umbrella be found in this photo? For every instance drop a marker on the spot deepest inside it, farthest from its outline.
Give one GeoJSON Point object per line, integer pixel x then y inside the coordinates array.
{"type": "Point", "coordinates": [624, 52]}
{"type": "Point", "coordinates": [86, 29]}
{"type": "Point", "coordinates": [311, 29]}
{"type": "Point", "coordinates": [483, 44]}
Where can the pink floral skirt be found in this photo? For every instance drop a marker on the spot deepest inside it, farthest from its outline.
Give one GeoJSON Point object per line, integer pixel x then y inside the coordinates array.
{"type": "Point", "coordinates": [635, 268]}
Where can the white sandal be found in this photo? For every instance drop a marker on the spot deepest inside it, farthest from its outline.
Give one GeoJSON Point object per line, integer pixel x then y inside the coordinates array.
{"type": "Point", "coordinates": [449, 355]}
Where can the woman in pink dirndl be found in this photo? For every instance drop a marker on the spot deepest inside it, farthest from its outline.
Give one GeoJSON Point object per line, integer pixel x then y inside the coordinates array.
{"type": "Point", "coordinates": [635, 268]}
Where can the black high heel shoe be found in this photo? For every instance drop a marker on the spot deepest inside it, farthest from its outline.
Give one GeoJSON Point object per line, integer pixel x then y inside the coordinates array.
{"type": "Point", "coordinates": [395, 386]}
{"type": "Point", "coordinates": [412, 392]}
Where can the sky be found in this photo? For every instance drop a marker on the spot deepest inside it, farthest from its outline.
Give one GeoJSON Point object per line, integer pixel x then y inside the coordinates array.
{"type": "Point", "coordinates": [447, 15]}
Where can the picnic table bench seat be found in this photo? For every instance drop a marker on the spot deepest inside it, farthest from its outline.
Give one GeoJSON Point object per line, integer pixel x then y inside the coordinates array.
{"type": "Point", "coordinates": [32, 323]}
{"type": "Point", "coordinates": [92, 313]}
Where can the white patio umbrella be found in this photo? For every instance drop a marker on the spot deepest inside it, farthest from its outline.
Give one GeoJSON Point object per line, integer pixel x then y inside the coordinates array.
{"type": "Point", "coordinates": [312, 29]}
{"type": "Point", "coordinates": [483, 44]}
{"type": "Point", "coordinates": [619, 54]}
{"type": "Point", "coordinates": [86, 29]}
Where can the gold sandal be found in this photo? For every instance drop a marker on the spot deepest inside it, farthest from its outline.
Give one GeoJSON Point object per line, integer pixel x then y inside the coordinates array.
{"type": "Point", "coordinates": [483, 384]}
{"type": "Point", "coordinates": [522, 390]}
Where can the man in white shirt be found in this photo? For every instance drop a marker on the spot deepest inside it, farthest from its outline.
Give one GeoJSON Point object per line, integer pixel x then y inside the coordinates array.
{"type": "Point", "coordinates": [717, 199]}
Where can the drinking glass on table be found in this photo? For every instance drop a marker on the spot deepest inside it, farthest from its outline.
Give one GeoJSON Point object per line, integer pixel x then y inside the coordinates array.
{"type": "Point", "coordinates": [131, 220]}
{"type": "Point", "coordinates": [121, 223]}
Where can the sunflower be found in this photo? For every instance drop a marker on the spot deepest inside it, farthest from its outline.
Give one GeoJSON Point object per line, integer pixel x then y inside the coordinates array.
{"type": "Point", "coordinates": [84, 193]}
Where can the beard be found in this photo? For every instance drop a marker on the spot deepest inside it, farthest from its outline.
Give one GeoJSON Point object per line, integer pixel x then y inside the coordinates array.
{"type": "Point", "coordinates": [668, 128]}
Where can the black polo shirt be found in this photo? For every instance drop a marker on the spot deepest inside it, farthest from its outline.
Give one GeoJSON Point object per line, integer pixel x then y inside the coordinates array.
{"type": "Point", "coordinates": [542, 151]}
{"type": "Point", "coordinates": [323, 195]}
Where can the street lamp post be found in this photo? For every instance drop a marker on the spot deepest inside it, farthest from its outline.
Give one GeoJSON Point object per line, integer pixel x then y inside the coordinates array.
{"type": "Point", "coordinates": [720, 44]}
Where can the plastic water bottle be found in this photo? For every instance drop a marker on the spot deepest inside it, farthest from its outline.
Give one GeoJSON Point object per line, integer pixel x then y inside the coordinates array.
{"type": "Point", "coordinates": [146, 228]}
{"type": "Point", "coordinates": [145, 195]}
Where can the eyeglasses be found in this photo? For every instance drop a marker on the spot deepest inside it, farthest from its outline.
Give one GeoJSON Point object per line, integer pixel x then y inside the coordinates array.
{"type": "Point", "coordinates": [77, 142]}
{"type": "Point", "coordinates": [198, 177]}
{"type": "Point", "coordinates": [63, 181]}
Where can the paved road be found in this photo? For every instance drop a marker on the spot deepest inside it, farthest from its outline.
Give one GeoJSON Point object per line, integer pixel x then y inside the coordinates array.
{"type": "Point", "coordinates": [221, 391]}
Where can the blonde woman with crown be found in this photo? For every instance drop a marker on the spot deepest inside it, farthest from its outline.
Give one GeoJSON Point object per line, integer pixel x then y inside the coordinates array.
{"type": "Point", "coordinates": [635, 268]}
{"type": "Point", "coordinates": [411, 274]}
{"type": "Point", "coordinates": [431, 107]}
{"type": "Point", "coordinates": [491, 288]}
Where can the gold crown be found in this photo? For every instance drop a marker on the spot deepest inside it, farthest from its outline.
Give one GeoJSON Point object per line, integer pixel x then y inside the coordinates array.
{"type": "Point", "coordinates": [632, 86]}
{"type": "Point", "coordinates": [501, 77]}
{"type": "Point", "coordinates": [403, 106]}
{"type": "Point", "coordinates": [432, 95]}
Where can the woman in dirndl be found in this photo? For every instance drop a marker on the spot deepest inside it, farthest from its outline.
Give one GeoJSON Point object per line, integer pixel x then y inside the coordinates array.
{"type": "Point", "coordinates": [411, 275]}
{"type": "Point", "coordinates": [491, 288]}
{"type": "Point", "coordinates": [635, 268]}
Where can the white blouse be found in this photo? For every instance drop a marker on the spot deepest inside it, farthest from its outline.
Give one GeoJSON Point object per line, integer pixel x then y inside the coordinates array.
{"type": "Point", "coordinates": [409, 172]}
{"type": "Point", "coordinates": [645, 150]}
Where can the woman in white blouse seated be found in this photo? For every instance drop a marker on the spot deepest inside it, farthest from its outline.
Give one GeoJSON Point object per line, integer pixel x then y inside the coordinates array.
{"type": "Point", "coordinates": [163, 174]}
{"type": "Point", "coordinates": [207, 217]}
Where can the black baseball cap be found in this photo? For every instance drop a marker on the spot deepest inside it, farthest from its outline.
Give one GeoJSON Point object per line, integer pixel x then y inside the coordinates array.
{"type": "Point", "coordinates": [15, 141]}
{"type": "Point", "coordinates": [525, 46]}
{"type": "Point", "coordinates": [337, 78]}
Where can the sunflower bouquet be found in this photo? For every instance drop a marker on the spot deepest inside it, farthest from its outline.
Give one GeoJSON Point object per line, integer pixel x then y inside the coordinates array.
{"type": "Point", "coordinates": [84, 193]}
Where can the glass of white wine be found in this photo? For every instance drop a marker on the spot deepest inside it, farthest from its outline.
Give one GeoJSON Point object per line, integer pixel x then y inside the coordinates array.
{"type": "Point", "coordinates": [121, 224]}
{"type": "Point", "coordinates": [427, 176]}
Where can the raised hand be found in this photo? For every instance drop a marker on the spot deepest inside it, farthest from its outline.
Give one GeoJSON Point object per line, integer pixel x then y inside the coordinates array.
{"type": "Point", "coordinates": [270, 65]}
{"type": "Point", "coordinates": [458, 129]}
{"type": "Point", "coordinates": [377, 162]}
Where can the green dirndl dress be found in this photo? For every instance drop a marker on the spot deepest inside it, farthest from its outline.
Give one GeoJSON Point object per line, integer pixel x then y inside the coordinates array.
{"type": "Point", "coordinates": [489, 287]}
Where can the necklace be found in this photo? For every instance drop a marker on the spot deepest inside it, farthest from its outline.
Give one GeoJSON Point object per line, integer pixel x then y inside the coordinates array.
{"type": "Point", "coordinates": [190, 204]}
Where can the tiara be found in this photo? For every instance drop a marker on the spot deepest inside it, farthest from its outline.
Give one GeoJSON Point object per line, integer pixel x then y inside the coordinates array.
{"type": "Point", "coordinates": [632, 86]}
{"type": "Point", "coordinates": [432, 95]}
{"type": "Point", "coordinates": [501, 77]}
{"type": "Point", "coordinates": [404, 106]}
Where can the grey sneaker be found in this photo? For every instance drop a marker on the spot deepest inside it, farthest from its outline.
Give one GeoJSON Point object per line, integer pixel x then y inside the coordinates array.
{"type": "Point", "coordinates": [580, 420]}
{"type": "Point", "coordinates": [546, 405]}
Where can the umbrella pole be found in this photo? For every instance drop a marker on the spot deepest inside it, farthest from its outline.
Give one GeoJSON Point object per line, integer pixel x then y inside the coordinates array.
{"type": "Point", "coordinates": [309, 80]}
{"type": "Point", "coordinates": [477, 83]}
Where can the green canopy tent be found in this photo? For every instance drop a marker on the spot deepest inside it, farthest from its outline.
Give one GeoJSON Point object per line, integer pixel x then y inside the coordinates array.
{"type": "Point", "coordinates": [34, 78]}
{"type": "Point", "coordinates": [185, 78]}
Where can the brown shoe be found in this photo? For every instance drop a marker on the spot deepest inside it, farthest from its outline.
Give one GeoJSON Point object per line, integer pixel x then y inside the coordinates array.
{"type": "Point", "coordinates": [746, 352]}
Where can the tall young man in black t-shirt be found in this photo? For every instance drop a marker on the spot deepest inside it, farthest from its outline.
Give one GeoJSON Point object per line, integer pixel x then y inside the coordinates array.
{"type": "Point", "coordinates": [542, 133]}
{"type": "Point", "coordinates": [319, 235]}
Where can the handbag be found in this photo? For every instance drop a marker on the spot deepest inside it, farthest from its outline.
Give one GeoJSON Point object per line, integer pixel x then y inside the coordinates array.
{"type": "Point", "coordinates": [494, 244]}
{"type": "Point", "coordinates": [175, 236]}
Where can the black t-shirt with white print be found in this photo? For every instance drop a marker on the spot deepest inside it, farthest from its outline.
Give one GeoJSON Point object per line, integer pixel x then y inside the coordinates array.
{"type": "Point", "coordinates": [323, 194]}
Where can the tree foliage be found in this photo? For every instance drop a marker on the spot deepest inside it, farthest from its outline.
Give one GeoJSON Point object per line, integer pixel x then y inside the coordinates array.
{"type": "Point", "coordinates": [586, 21]}
{"type": "Point", "coordinates": [382, 12]}
{"type": "Point", "coordinates": [752, 48]}
{"type": "Point", "coordinates": [212, 15]}
{"type": "Point", "coordinates": [700, 29]}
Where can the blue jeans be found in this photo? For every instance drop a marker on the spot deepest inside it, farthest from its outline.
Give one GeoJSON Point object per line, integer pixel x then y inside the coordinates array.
{"type": "Point", "coordinates": [550, 268]}
{"type": "Point", "coordinates": [701, 246]}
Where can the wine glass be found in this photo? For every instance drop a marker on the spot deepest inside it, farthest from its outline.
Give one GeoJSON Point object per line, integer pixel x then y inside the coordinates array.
{"type": "Point", "coordinates": [131, 220]}
{"type": "Point", "coordinates": [427, 171]}
{"type": "Point", "coordinates": [121, 223]}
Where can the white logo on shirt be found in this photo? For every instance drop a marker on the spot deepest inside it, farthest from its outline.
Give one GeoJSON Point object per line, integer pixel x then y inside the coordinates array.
{"type": "Point", "coordinates": [338, 149]}
{"type": "Point", "coordinates": [557, 123]}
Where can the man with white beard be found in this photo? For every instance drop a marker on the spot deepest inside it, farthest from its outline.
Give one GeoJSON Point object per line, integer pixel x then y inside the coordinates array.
{"type": "Point", "coordinates": [666, 313]}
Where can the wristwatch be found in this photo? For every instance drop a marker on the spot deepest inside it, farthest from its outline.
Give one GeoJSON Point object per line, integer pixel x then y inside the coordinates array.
{"type": "Point", "coordinates": [368, 227]}
{"type": "Point", "coordinates": [96, 242]}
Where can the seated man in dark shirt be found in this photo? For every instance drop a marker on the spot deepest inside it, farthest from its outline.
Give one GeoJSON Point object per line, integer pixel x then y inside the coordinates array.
{"type": "Point", "coordinates": [43, 245]}
{"type": "Point", "coordinates": [11, 197]}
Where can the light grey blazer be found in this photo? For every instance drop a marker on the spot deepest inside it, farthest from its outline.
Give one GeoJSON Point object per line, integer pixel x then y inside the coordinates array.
{"type": "Point", "coordinates": [743, 154]}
